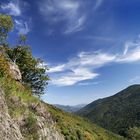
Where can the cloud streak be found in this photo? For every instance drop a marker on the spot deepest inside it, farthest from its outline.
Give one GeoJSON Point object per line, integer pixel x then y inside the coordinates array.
{"type": "Point", "coordinates": [12, 8]}
{"type": "Point", "coordinates": [66, 11]}
{"type": "Point", "coordinates": [131, 52]}
{"type": "Point", "coordinates": [69, 13]}
{"type": "Point", "coordinates": [80, 68]}
{"type": "Point", "coordinates": [22, 27]}
{"type": "Point", "coordinates": [85, 65]}
{"type": "Point", "coordinates": [98, 4]}
{"type": "Point", "coordinates": [78, 74]}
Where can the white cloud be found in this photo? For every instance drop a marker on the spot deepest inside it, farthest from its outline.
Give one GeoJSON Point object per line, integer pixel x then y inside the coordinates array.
{"type": "Point", "coordinates": [67, 11]}
{"type": "Point", "coordinates": [16, 8]}
{"type": "Point", "coordinates": [22, 27]}
{"type": "Point", "coordinates": [71, 14]}
{"type": "Point", "coordinates": [98, 4]}
{"type": "Point", "coordinates": [80, 68]}
{"type": "Point", "coordinates": [76, 26]}
{"type": "Point", "coordinates": [12, 8]}
{"type": "Point", "coordinates": [58, 68]}
{"type": "Point", "coordinates": [85, 65]}
{"type": "Point", "coordinates": [95, 59]}
{"type": "Point", "coordinates": [77, 75]}
{"type": "Point", "coordinates": [131, 52]}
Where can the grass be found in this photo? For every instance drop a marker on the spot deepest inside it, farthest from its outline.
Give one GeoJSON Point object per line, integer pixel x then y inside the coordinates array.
{"type": "Point", "coordinates": [77, 128]}
{"type": "Point", "coordinates": [71, 126]}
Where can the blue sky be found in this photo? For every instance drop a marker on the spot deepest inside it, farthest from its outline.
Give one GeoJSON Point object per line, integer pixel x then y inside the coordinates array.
{"type": "Point", "coordinates": [92, 47]}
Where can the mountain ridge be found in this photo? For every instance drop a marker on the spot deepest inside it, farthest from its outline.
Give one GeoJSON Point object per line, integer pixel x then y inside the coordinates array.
{"type": "Point", "coordinates": [69, 108]}
{"type": "Point", "coordinates": [116, 113]}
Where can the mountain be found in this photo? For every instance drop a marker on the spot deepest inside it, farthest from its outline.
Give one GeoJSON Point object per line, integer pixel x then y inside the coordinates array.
{"type": "Point", "coordinates": [25, 117]}
{"type": "Point", "coordinates": [119, 113]}
{"type": "Point", "coordinates": [70, 109]}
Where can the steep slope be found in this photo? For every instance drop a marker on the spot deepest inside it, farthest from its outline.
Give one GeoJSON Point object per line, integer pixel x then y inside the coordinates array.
{"type": "Point", "coordinates": [117, 113]}
{"type": "Point", "coordinates": [8, 128]}
{"type": "Point", "coordinates": [24, 116]}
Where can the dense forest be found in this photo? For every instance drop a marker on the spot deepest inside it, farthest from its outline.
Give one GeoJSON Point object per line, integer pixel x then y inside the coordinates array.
{"type": "Point", "coordinates": [119, 113]}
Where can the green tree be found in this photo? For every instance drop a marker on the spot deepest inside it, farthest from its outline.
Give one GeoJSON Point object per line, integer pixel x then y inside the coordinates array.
{"type": "Point", "coordinates": [6, 25]}
{"type": "Point", "coordinates": [22, 39]}
{"type": "Point", "coordinates": [33, 75]}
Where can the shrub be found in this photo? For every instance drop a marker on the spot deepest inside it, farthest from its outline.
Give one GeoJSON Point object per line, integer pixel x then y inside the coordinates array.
{"type": "Point", "coordinates": [4, 67]}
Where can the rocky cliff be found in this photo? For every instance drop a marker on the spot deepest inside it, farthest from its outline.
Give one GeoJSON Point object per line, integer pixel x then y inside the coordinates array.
{"type": "Point", "coordinates": [20, 118]}
{"type": "Point", "coordinates": [14, 128]}
{"type": "Point", "coordinates": [9, 129]}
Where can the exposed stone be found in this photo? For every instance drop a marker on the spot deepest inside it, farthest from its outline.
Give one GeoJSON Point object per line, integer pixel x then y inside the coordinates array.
{"type": "Point", "coordinates": [47, 131]}
{"type": "Point", "coordinates": [13, 128]}
{"type": "Point", "coordinates": [9, 130]}
{"type": "Point", "coordinates": [15, 72]}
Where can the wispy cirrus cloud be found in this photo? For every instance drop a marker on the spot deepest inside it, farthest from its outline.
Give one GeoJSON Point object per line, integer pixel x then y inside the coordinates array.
{"type": "Point", "coordinates": [71, 78]}
{"type": "Point", "coordinates": [70, 13]}
{"type": "Point", "coordinates": [85, 65]}
{"type": "Point", "coordinates": [12, 8]}
{"type": "Point", "coordinates": [80, 68]}
{"type": "Point", "coordinates": [131, 52]}
{"type": "Point", "coordinates": [16, 8]}
{"type": "Point", "coordinates": [22, 27]}
{"type": "Point", "coordinates": [98, 4]}
{"type": "Point", "coordinates": [58, 68]}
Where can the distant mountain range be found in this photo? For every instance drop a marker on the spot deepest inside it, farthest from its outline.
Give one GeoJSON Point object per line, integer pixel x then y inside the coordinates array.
{"type": "Point", "coordinates": [70, 109]}
{"type": "Point", "coordinates": [119, 113]}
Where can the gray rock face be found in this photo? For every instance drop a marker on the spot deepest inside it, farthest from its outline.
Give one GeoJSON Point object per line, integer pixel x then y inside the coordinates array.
{"type": "Point", "coordinates": [15, 72]}
{"type": "Point", "coordinates": [47, 133]}
{"type": "Point", "coordinates": [12, 129]}
{"type": "Point", "coordinates": [44, 119]}
{"type": "Point", "coordinates": [9, 130]}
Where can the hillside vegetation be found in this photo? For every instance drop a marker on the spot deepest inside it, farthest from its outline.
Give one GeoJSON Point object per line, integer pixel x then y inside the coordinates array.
{"type": "Point", "coordinates": [119, 113]}
{"type": "Point", "coordinates": [36, 119]}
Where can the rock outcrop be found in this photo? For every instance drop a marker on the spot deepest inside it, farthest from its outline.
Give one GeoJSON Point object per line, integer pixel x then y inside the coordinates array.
{"type": "Point", "coordinates": [16, 128]}
{"type": "Point", "coordinates": [9, 130]}
{"type": "Point", "coordinates": [15, 72]}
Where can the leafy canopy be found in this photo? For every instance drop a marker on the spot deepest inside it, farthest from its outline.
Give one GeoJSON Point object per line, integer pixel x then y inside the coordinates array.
{"type": "Point", "coordinates": [33, 76]}
{"type": "Point", "coordinates": [6, 25]}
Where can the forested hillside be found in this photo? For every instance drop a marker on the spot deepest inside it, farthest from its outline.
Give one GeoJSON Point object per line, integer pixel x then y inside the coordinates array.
{"type": "Point", "coordinates": [119, 113]}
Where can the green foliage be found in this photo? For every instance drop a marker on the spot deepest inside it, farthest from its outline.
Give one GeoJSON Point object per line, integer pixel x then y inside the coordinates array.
{"type": "Point", "coordinates": [71, 126]}
{"type": "Point", "coordinates": [133, 133]}
{"type": "Point", "coordinates": [33, 76]}
{"type": "Point", "coordinates": [22, 39]}
{"type": "Point", "coordinates": [116, 113]}
{"type": "Point", "coordinates": [4, 67]}
{"type": "Point", "coordinates": [77, 128]}
{"type": "Point", "coordinates": [19, 107]}
{"type": "Point", "coordinates": [6, 24]}
{"type": "Point", "coordinates": [30, 123]}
